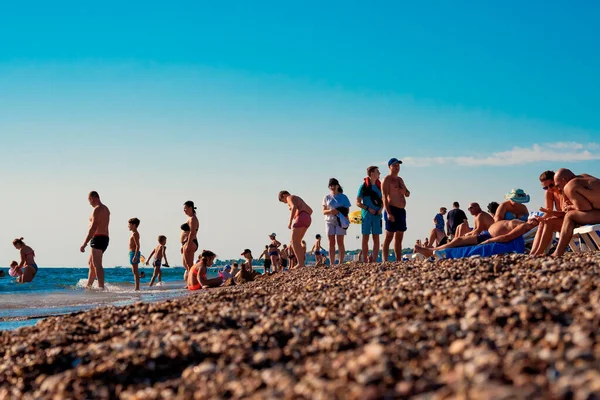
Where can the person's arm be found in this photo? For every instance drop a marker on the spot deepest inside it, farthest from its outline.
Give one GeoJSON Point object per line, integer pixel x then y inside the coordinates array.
{"type": "Point", "coordinates": [293, 210]}
{"type": "Point", "coordinates": [164, 253]}
{"type": "Point", "coordinates": [22, 254]}
{"type": "Point", "coordinates": [150, 257]}
{"type": "Point", "coordinates": [136, 241]}
{"type": "Point", "coordinates": [476, 227]}
{"type": "Point", "coordinates": [520, 230]}
{"type": "Point", "coordinates": [261, 256]}
{"type": "Point", "coordinates": [403, 189]}
{"type": "Point", "coordinates": [202, 275]}
{"type": "Point", "coordinates": [385, 190]}
{"type": "Point", "coordinates": [91, 231]}
{"type": "Point", "coordinates": [499, 216]}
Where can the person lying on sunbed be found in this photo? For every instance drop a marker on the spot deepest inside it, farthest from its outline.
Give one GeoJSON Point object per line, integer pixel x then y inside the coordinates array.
{"type": "Point", "coordinates": [499, 232]}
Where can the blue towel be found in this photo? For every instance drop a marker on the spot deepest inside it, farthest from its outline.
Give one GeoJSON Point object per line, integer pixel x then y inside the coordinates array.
{"type": "Point", "coordinates": [485, 250]}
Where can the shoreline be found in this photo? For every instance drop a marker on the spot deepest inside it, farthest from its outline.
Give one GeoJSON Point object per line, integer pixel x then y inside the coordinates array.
{"type": "Point", "coordinates": [484, 328]}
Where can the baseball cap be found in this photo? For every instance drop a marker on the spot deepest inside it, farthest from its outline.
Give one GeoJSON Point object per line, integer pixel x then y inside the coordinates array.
{"type": "Point", "coordinates": [246, 251]}
{"type": "Point", "coordinates": [273, 234]}
{"type": "Point", "coordinates": [393, 161]}
{"type": "Point", "coordinates": [227, 267]}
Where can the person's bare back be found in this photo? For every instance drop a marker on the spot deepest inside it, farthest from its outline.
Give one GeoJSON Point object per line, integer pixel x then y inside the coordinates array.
{"type": "Point", "coordinates": [483, 221]}
{"type": "Point", "coordinates": [584, 192]}
{"type": "Point", "coordinates": [101, 220]}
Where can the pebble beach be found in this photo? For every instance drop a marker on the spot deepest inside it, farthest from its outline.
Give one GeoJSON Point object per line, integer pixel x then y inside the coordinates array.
{"type": "Point", "coordinates": [504, 327]}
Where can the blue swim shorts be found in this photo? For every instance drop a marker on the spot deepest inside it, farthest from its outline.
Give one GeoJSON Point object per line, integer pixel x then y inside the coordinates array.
{"type": "Point", "coordinates": [372, 224]}
{"type": "Point", "coordinates": [134, 258]}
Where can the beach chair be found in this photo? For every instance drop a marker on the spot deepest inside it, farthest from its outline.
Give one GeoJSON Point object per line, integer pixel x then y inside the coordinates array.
{"type": "Point", "coordinates": [589, 239]}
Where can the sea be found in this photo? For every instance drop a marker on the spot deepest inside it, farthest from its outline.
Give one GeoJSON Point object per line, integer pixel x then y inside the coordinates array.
{"type": "Point", "coordinates": [58, 291]}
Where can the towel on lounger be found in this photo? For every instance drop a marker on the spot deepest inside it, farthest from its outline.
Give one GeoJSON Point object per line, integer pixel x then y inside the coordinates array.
{"type": "Point", "coordinates": [484, 250]}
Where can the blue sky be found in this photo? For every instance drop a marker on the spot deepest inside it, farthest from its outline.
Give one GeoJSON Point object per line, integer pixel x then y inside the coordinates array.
{"type": "Point", "coordinates": [226, 104]}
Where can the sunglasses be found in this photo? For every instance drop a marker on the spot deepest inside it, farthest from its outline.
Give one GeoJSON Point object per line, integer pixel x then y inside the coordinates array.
{"type": "Point", "coordinates": [550, 186]}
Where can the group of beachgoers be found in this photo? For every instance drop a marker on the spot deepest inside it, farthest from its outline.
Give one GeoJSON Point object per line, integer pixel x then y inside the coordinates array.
{"type": "Point", "coordinates": [571, 201]}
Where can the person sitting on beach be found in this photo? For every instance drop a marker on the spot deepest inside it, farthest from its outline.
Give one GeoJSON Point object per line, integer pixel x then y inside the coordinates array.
{"type": "Point", "coordinates": [437, 237]}
{"type": "Point", "coordinates": [583, 191]}
{"type": "Point", "coordinates": [318, 250]}
{"type": "Point", "coordinates": [246, 273]}
{"type": "Point", "coordinates": [369, 199]}
{"type": "Point", "coordinates": [299, 222]}
{"type": "Point", "coordinates": [27, 263]}
{"type": "Point", "coordinates": [197, 276]}
{"type": "Point", "coordinates": [336, 207]}
{"type": "Point", "coordinates": [455, 217]}
{"type": "Point", "coordinates": [134, 249]}
{"type": "Point", "coordinates": [267, 262]}
{"type": "Point", "coordinates": [159, 253]}
{"type": "Point", "coordinates": [499, 232]}
{"type": "Point", "coordinates": [274, 252]}
{"type": "Point", "coordinates": [553, 217]}
{"type": "Point", "coordinates": [226, 273]}
{"type": "Point", "coordinates": [482, 223]}
{"type": "Point", "coordinates": [235, 269]}
{"type": "Point", "coordinates": [513, 207]}
{"type": "Point", "coordinates": [15, 271]}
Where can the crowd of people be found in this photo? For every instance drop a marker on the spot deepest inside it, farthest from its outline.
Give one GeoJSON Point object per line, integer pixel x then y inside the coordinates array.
{"type": "Point", "coordinates": [571, 200]}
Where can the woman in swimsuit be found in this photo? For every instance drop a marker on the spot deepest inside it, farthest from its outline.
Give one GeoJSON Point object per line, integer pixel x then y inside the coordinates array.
{"type": "Point", "coordinates": [553, 214]}
{"type": "Point", "coordinates": [28, 264]}
{"type": "Point", "coordinates": [197, 276]}
{"type": "Point", "coordinates": [513, 207]}
{"type": "Point", "coordinates": [299, 222]}
{"type": "Point", "coordinates": [274, 252]}
{"type": "Point", "coordinates": [191, 242]}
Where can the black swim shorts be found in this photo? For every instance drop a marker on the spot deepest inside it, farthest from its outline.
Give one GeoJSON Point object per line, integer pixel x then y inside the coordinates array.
{"type": "Point", "coordinates": [483, 236]}
{"type": "Point", "coordinates": [399, 224]}
{"type": "Point", "coordinates": [284, 262]}
{"type": "Point", "coordinates": [99, 242]}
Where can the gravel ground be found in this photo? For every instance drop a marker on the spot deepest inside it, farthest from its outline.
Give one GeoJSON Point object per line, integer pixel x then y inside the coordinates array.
{"type": "Point", "coordinates": [502, 327]}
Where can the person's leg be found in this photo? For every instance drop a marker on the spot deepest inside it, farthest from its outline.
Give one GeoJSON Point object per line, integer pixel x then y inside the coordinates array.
{"type": "Point", "coordinates": [375, 254]}
{"type": "Point", "coordinates": [433, 236]}
{"type": "Point", "coordinates": [387, 240]}
{"type": "Point", "coordinates": [331, 241]}
{"type": "Point", "coordinates": [91, 271]}
{"type": "Point", "coordinates": [365, 248]}
{"type": "Point", "coordinates": [462, 229]}
{"type": "Point", "coordinates": [97, 260]}
{"type": "Point", "coordinates": [297, 236]}
{"type": "Point", "coordinates": [341, 248]}
{"type": "Point", "coordinates": [545, 234]}
{"type": "Point", "coordinates": [458, 242]}
{"type": "Point", "coordinates": [571, 219]}
{"type": "Point", "coordinates": [28, 274]}
{"type": "Point", "coordinates": [154, 276]}
{"type": "Point", "coordinates": [136, 275]}
{"type": "Point", "coordinates": [398, 245]}
{"type": "Point", "coordinates": [213, 282]}
{"type": "Point", "coordinates": [536, 240]}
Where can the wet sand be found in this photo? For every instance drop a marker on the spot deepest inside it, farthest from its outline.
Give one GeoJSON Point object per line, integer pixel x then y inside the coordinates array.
{"type": "Point", "coordinates": [504, 327]}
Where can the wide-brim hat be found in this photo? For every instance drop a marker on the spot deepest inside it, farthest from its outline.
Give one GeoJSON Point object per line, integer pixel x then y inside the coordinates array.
{"type": "Point", "coordinates": [518, 196]}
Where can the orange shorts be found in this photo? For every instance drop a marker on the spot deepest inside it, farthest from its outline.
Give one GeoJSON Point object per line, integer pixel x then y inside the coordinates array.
{"type": "Point", "coordinates": [195, 287]}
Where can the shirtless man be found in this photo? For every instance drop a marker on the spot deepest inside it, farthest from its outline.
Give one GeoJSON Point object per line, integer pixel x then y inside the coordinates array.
{"type": "Point", "coordinates": [483, 221]}
{"type": "Point", "coordinates": [583, 191]}
{"type": "Point", "coordinates": [299, 222]}
{"type": "Point", "coordinates": [499, 232]}
{"type": "Point", "coordinates": [394, 193]}
{"type": "Point", "coordinates": [98, 238]}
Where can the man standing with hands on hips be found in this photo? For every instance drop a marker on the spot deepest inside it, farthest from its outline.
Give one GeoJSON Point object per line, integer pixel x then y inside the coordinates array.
{"type": "Point", "coordinates": [394, 202]}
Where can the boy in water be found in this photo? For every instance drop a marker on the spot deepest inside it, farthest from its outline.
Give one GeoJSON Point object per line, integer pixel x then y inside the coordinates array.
{"type": "Point", "coordinates": [316, 250]}
{"type": "Point", "coordinates": [159, 253]}
{"type": "Point", "coordinates": [134, 249]}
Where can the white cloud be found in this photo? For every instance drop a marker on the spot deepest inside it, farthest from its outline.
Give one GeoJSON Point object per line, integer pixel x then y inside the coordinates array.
{"type": "Point", "coordinates": [556, 152]}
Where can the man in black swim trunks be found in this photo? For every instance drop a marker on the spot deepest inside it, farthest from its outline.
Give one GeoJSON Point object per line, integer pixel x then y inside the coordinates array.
{"type": "Point", "coordinates": [394, 194]}
{"type": "Point", "coordinates": [98, 238]}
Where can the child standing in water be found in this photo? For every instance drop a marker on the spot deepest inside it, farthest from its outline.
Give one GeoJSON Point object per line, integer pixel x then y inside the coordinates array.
{"type": "Point", "coordinates": [159, 253]}
{"type": "Point", "coordinates": [134, 249]}
{"type": "Point", "coordinates": [317, 250]}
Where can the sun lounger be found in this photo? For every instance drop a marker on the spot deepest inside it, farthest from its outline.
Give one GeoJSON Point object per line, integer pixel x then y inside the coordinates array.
{"type": "Point", "coordinates": [484, 250]}
{"type": "Point", "coordinates": [587, 234]}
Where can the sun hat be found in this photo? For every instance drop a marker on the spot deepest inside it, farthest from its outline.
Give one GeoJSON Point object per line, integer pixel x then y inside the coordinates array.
{"type": "Point", "coordinates": [518, 196]}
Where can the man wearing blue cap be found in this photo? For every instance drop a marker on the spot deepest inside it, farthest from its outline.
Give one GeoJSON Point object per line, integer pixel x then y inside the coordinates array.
{"type": "Point", "coordinates": [394, 202]}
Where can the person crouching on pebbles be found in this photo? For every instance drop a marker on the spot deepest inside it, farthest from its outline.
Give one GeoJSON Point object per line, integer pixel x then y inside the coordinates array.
{"type": "Point", "coordinates": [299, 223]}
{"type": "Point", "coordinates": [197, 276]}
